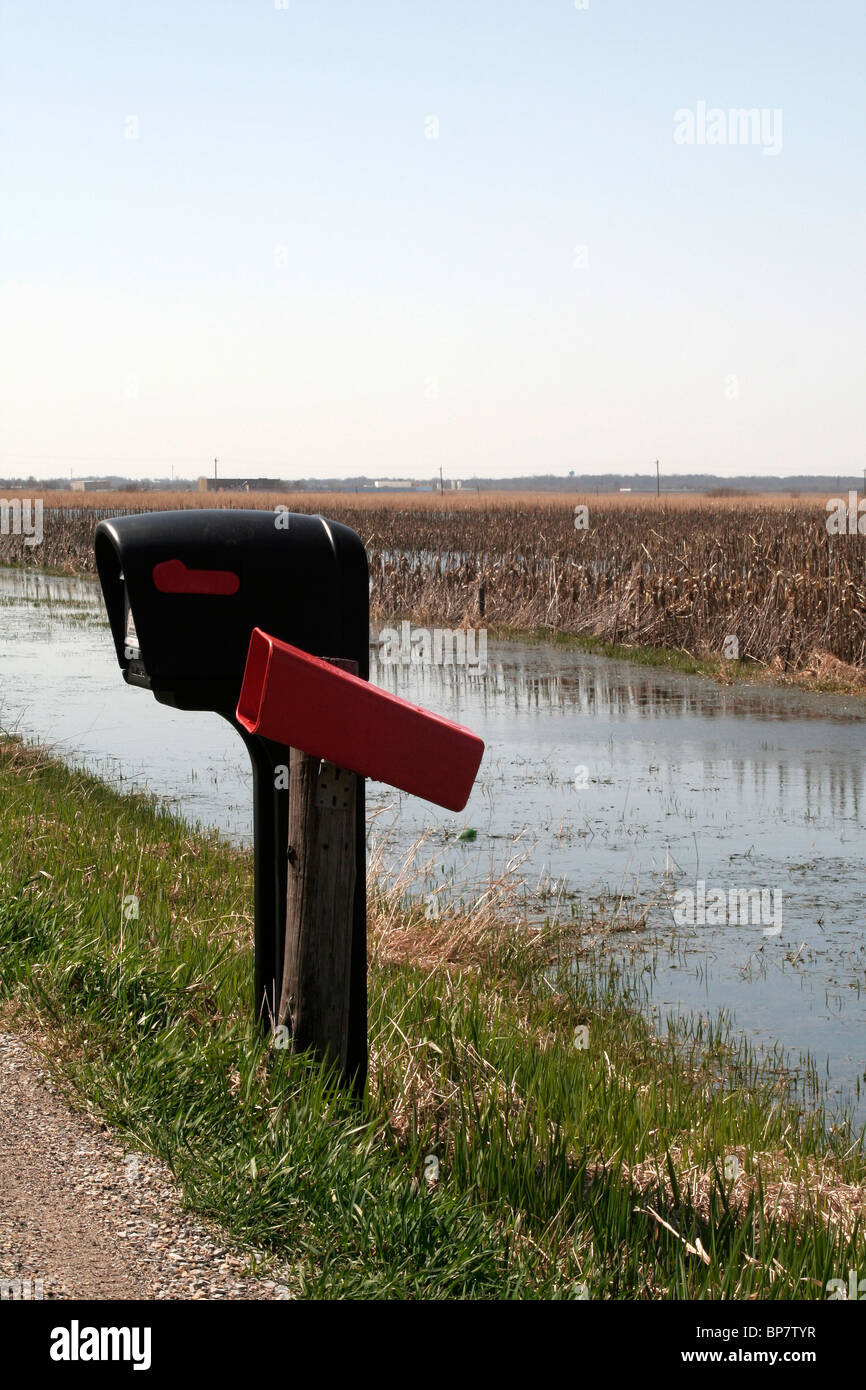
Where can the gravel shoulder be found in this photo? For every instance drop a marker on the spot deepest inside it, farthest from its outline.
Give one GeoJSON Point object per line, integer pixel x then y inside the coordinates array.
{"type": "Point", "coordinates": [82, 1216]}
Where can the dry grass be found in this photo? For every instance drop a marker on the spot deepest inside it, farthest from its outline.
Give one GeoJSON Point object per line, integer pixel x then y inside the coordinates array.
{"type": "Point", "coordinates": [679, 573]}
{"type": "Point", "coordinates": [789, 1188]}
{"type": "Point", "coordinates": [462, 499]}
{"type": "Point", "coordinates": [486, 941]}
{"type": "Point", "coordinates": [450, 936]}
{"type": "Point", "coordinates": [603, 1157]}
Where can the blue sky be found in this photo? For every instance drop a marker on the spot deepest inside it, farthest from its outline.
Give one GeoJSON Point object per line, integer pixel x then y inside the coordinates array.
{"type": "Point", "coordinates": [226, 230]}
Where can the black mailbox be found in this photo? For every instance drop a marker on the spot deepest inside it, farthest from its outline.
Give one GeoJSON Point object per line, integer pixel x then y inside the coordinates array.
{"type": "Point", "coordinates": [184, 591]}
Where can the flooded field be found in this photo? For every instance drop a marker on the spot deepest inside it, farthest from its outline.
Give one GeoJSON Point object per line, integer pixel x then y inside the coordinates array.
{"type": "Point", "coordinates": [720, 827]}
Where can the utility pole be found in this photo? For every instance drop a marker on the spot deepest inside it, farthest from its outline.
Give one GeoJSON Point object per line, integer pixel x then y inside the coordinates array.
{"type": "Point", "coordinates": [657, 477]}
{"type": "Point", "coordinates": [441, 483]}
{"type": "Point", "coordinates": [215, 470]}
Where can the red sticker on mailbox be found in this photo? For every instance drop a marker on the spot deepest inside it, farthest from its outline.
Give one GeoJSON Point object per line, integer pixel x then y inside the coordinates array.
{"type": "Point", "coordinates": [173, 577]}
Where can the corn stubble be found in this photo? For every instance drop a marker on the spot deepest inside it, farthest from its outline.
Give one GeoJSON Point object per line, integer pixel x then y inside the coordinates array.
{"type": "Point", "coordinates": [676, 573]}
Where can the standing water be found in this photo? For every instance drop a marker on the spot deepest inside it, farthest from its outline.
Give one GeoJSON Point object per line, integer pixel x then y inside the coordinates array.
{"type": "Point", "coordinates": [721, 824]}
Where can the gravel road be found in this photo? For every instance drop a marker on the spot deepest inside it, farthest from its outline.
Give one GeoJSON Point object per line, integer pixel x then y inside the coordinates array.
{"type": "Point", "coordinates": [83, 1217]}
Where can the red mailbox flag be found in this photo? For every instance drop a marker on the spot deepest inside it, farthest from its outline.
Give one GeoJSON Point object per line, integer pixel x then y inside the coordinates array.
{"type": "Point", "coordinates": [301, 701]}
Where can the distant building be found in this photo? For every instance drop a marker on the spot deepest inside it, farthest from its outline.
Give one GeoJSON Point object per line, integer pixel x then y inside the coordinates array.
{"type": "Point", "coordinates": [87, 485]}
{"type": "Point", "coordinates": [241, 485]}
{"type": "Point", "coordinates": [415, 485]}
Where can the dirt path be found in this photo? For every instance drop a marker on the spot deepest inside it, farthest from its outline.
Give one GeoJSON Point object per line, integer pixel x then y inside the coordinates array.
{"type": "Point", "coordinates": [81, 1217]}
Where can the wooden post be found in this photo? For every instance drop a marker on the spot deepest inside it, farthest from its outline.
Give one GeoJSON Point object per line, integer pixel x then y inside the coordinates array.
{"type": "Point", "coordinates": [315, 997]}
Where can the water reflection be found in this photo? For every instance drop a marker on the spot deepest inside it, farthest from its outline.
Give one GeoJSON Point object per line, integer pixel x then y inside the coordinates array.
{"type": "Point", "coordinates": [618, 785]}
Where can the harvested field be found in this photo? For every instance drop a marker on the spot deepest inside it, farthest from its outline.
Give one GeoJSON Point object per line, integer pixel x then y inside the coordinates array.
{"type": "Point", "coordinates": [684, 573]}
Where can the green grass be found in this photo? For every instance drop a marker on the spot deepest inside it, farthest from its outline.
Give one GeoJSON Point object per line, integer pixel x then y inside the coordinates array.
{"type": "Point", "coordinates": [726, 671]}
{"type": "Point", "coordinates": [559, 1163]}
{"type": "Point", "coordinates": [666, 658]}
{"type": "Point", "coordinates": [68, 571]}
{"type": "Point", "coordinates": [670, 658]}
